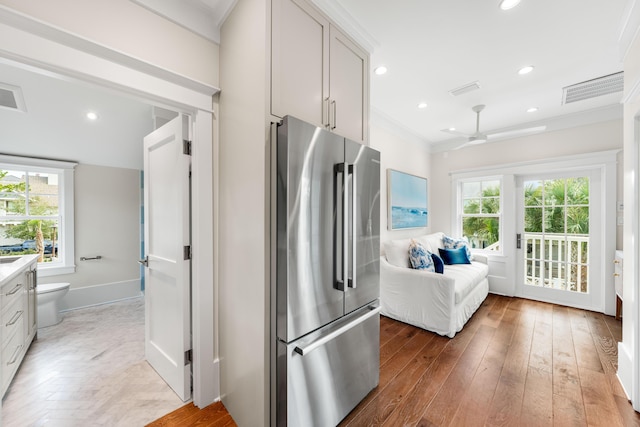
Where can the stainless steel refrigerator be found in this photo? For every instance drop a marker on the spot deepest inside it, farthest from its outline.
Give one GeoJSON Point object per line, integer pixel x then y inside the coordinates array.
{"type": "Point", "coordinates": [326, 282]}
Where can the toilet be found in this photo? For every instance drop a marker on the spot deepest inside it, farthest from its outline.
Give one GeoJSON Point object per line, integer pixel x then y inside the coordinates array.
{"type": "Point", "coordinates": [48, 297]}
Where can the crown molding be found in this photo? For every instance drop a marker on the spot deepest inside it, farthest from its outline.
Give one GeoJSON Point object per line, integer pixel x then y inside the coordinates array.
{"type": "Point", "coordinates": [629, 27]}
{"type": "Point", "coordinates": [380, 119]}
{"type": "Point", "coordinates": [348, 24]}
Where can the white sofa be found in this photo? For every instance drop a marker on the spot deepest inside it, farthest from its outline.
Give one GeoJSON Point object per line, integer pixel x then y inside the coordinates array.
{"type": "Point", "coordinates": [441, 303]}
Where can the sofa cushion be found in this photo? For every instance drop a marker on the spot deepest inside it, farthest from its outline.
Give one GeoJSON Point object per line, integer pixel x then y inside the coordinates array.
{"type": "Point", "coordinates": [397, 252]}
{"type": "Point", "coordinates": [420, 258]}
{"type": "Point", "coordinates": [432, 241]}
{"type": "Point", "coordinates": [438, 264]}
{"type": "Point", "coordinates": [455, 243]}
{"type": "Point", "coordinates": [454, 256]}
{"type": "Point", "coordinates": [467, 277]}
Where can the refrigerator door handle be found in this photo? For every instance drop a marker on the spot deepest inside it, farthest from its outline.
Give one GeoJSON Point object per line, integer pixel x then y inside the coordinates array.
{"type": "Point", "coordinates": [304, 350]}
{"type": "Point", "coordinates": [340, 256]}
{"type": "Point", "coordinates": [345, 226]}
{"type": "Point", "coordinates": [354, 242]}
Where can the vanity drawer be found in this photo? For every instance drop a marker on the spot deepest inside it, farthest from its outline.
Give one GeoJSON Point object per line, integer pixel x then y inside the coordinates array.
{"type": "Point", "coordinates": [12, 323]}
{"type": "Point", "coordinates": [12, 291]}
{"type": "Point", "coordinates": [11, 356]}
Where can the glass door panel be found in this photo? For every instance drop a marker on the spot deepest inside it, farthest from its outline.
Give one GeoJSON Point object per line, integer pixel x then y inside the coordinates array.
{"type": "Point", "coordinates": [554, 220]}
{"type": "Point", "coordinates": [556, 230]}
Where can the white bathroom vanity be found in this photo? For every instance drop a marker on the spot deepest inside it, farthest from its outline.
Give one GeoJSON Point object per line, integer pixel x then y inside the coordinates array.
{"type": "Point", "coordinates": [18, 278]}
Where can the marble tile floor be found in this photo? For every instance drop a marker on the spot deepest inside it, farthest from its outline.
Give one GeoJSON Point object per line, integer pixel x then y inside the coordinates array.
{"type": "Point", "coordinates": [89, 370]}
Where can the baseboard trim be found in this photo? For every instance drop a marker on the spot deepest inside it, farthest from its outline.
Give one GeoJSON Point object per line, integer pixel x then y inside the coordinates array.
{"type": "Point", "coordinates": [105, 293]}
{"type": "Point", "coordinates": [625, 370]}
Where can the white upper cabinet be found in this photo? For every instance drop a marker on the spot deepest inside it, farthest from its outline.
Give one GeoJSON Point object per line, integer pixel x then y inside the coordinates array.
{"type": "Point", "coordinates": [317, 73]}
{"type": "Point", "coordinates": [348, 87]}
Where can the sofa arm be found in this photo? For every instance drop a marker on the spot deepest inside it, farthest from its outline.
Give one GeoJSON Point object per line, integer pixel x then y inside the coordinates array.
{"type": "Point", "coordinates": [418, 297]}
{"type": "Point", "coordinates": [481, 258]}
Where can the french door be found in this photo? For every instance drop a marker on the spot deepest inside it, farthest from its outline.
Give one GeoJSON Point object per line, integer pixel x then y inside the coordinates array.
{"type": "Point", "coordinates": [558, 238]}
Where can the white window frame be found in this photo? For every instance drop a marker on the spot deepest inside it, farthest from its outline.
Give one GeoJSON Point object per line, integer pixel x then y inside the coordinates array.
{"type": "Point", "coordinates": [459, 212]}
{"type": "Point", "coordinates": [65, 171]}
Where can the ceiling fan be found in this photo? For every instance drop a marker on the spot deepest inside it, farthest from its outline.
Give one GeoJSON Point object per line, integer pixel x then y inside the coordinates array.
{"type": "Point", "coordinates": [479, 137]}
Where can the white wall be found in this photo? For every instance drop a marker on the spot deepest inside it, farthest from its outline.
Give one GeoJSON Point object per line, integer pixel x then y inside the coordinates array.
{"type": "Point", "coordinates": [243, 274]}
{"type": "Point", "coordinates": [107, 223]}
{"type": "Point", "coordinates": [131, 29]}
{"type": "Point", "coordinates": [400, 152]}
{"type": "Point", "coordinates": [585, 139]}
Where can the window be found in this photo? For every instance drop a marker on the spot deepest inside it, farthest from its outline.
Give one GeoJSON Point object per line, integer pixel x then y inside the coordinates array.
{"type": "Point", "coordinates": [481, 213]}
{"type": "Point", "coordinates": [36, 211]}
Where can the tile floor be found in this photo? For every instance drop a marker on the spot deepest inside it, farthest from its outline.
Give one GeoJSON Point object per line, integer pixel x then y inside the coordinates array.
{"type": "Point", "coordinates": [89, 370]}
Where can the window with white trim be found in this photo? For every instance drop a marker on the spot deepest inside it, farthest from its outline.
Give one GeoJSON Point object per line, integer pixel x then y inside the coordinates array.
{"type": "Point", "coordinates": [481, 212]}
{"type": "Point", "coordinates": [36, 212]}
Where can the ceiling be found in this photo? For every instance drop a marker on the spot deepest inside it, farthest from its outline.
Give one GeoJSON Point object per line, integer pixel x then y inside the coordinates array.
{"type": "Point", "coordinates": [431, 47]}
{"type": "Point", "coordinates": [54, 125]}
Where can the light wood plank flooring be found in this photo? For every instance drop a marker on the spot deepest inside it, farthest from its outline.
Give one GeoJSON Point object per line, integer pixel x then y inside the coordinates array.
{"type": "Point", "coordinates": [516, 363]}
{"type": "Point", "coordinates": [89, 370]}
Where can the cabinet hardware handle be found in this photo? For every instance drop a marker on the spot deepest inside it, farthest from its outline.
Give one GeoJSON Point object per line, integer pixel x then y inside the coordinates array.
{"type": "Point", "coordinates": [327, 110]}
{"type": "Point", "coordinates": [14, 290]}
{"type": "Point", "coordinates": [616, 275]}
{"type": "Point", "coordinates": [335, 109]}
{"type": "Point", "coordinates": [14, 356]}
{"type": "Point", "coordinates": [14, 318]}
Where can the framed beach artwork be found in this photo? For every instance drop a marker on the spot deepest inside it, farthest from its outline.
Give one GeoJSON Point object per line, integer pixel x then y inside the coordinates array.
{"type": "Point", "coordinates": [406, 200]}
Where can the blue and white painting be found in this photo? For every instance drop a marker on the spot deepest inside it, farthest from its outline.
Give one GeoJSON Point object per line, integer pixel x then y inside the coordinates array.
{"type": "Point", "coordinates": [407, 196]}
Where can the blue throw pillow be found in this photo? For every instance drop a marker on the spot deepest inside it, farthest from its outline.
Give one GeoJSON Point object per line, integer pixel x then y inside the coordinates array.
{"type": "Point", "coordinates": [453, 243]}
{"type": "Point", "coordinates": [454, 256]}
{"type": "Point", "coordinates": [420, 258]}
{"type": "Point", "coordinates": [438, 264]}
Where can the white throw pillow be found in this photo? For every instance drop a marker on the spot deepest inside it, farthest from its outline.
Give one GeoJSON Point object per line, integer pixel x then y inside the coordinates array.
{"type": "Point", "coordinates": [432, 241]}
{"type": "Point", "coordinates": [397, 252]}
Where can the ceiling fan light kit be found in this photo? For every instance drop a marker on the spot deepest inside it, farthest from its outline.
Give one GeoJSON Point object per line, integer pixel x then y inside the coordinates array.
{"type": "Point", "coordinates": [526, 70]}
{"type": "Point", "coordinates": [508, 4]}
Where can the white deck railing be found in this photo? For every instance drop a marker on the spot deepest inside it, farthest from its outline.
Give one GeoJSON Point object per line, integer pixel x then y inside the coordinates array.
{"type": "Point", "coordinates": [557, 261]}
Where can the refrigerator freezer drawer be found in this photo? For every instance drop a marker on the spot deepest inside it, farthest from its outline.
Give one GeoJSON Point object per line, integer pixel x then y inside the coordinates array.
{"type": "Point", "coordinates": [332, 375]}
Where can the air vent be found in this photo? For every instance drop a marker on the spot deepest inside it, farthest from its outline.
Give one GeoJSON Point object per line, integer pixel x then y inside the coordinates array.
{"type": "Point", "coordinates": [592, 88]}
{"type": "Point", "coordinates": [11, 98]}
{"type": "Point", "coordinates": [464, 89]}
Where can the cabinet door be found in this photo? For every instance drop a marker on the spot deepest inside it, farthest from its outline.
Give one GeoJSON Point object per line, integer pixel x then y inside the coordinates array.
{"type": "Point", "coordinates": [349, 87]}
{"type": "Point", "coordinates": [299, 54]}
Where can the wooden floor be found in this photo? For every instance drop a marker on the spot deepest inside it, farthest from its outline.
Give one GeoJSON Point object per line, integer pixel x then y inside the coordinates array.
{"type": "Point", "coordinates": [516, 363]}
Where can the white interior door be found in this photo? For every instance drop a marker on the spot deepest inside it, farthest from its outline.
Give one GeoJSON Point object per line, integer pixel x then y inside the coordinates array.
{"type": "Point", "coordinates": [167, 274]}
{"type": "Point", "coordinates": [559, 234]}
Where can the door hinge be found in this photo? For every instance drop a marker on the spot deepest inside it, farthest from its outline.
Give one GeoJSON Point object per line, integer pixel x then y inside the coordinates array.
{"type": "Point", "coordinates": [187, 252]}
{"type": "Point", "coordinates": [186, 147]}
{"type": "Point", "coordinates": [188, 357]}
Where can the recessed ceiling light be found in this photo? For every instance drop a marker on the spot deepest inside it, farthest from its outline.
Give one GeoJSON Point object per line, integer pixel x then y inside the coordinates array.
{"type": "Point", "coordinates": [532, 110]}
{"type": "Point", "coordinates": [380, 70]}
{"type": "Point", "coordinates": [422, 105]}
{"type": "Point", "coordinates": [452, 129]}
{"type": "Point", "coordinates": [526, 70]}
{"type": "Point", "coordinates": [508, 4]}
{"type": "Point", "coordinates": [92, 116]}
